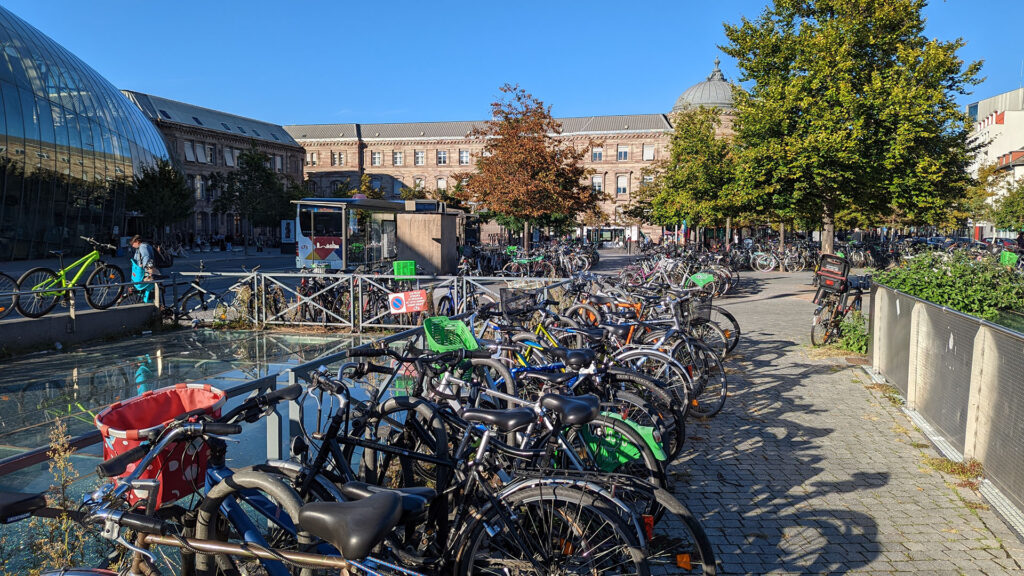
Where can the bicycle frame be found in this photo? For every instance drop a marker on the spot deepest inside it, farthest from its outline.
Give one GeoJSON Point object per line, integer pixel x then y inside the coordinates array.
{"type": "Point", "coordinates": [82, 263]}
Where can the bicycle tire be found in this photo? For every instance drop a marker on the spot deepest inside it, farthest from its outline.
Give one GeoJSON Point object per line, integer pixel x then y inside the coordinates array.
{"type": "Point", "coordinates": [555, 514]}
{"type": "Point", "coordinates": [678, 537]}
{"type": "Point", "coordinates": [99, 284]}
{"type": "Point", "coordinates": [585, 315]}
{"type": "Point", "coordinates": [8, 294]}
{"type": "Point", "coordinates": [38, 304]}
{"type": "Point", "coordinates": [212, 525]}
{"type": "Point", "coordinates": [192, 306]}
{"type": "Point", "coordinates": [712, 389]}
{"type": "Point", "coordinates": [727, 322]}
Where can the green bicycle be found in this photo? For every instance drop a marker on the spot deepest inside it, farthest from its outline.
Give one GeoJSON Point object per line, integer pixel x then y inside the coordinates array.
{"type": "Point", "coordinates": [41, 288]}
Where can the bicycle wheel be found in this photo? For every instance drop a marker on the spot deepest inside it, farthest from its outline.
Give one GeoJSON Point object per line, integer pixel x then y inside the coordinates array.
{"type": "Point", "coordinates": [258, 500]}
{"type": "Point", "coordinates": [8, 294]}
{"type": "Point", "coordinates": [727, 322]}
{"type": "Point", "coordinates": [445, 307]}
{"type": "Point", "coordinates": [104, 286]}
{"type": "Point", "coordinates": [711, 386]}
{"type": "Point", "coordinates": [512, 269]}
{"type": "Point", "coordinates": [824, 328]}
{"type": "Point", "coordinates": [677, 543]}
{"type": "Point", "coordinates": [341, 308]}
{"type": "Point", "coordinates": [712, 335]}
{"type": "Point", "coordinates": [46, 288]}
{"type": "Point", "coordinates": [555, 530]}
{"type": "Point", "coordinates": [584, 315]}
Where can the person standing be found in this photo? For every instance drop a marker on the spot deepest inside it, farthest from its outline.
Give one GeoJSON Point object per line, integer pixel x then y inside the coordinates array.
{"type": "Point", "coordinates": [143, 267]}
{"type": "Point", "coordinates": [1020, 241]}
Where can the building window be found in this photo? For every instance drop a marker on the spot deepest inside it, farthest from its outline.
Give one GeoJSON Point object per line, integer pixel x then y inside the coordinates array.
{"type": "Point", "coordinates": [623, 153]}
{"type": "Point", "coordinates": [648, 152]}
{"type": "Point", "coordinates": [397, 189]}
{"type": "Point", "coordinates": [597, 154]}
{"type": "Point", "coordinates": [316, 158]}
{"type": "Point", "coordinates": [226, 127]}
{"type": "Point", "coordinates": [417, 183]}
{"type": "Point", "coordinates": [211, 153]}
{"type": "Point", "coordinates": [464, 157]}
{"type": "Point", "coordinates": [256, 132]}
{"type": "Point", "coordinates": [442, 157]}
{"type": "Point", "coordinates": [190, 153]}
{"type": "Point", "coordinates": [200, 152]}
{"type": "Point", "coordinates": [242, 130]}
{"type": "Point", "coordinates": [198, 121]}
{"type": "Point", "coordinates": [334, 158]}
{"type": "Point", "coordinates": [397, 158]}
{"type": "Point", "coordinates": [375, 158]}
{"type": "Point", "coordinates": [419, 157]}
{"type": "Point", "coordinates": [375, 183]}
{"type": "Point", "coordinates": [621, 184]}
{"type": "Point", "coordinates": [165, 114]}
{"type": "Point", "coordinates": [309, 158]}
{"type": "Point", "coordinates": [279, 163]}
{"type": "Point", "coordinates": [597, 182]}
{"type": "Point", "coordinates": [442, 184]}
{"type": "Point", "coordinates": [648, 178]}
{"type": "Point", "coordinates": [229, 157]}
{"type": "Point", "coordinates": [341, 158]}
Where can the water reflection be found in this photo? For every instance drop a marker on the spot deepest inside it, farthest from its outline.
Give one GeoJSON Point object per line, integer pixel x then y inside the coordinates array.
{"type": "Point", "coordinates": [39, 388]}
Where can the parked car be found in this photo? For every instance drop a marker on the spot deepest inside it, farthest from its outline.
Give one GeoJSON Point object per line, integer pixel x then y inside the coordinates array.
{"type": "Point", "coordinates": [1002, 242]}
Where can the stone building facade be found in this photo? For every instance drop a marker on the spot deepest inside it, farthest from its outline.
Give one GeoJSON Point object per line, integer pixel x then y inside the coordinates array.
{"type": "Point", "coordinates": [426, 154]}
{"type": "Point", "coordinates": [202, 142]}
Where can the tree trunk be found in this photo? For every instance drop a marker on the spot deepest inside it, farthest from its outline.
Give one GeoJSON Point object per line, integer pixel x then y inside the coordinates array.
{"type": "Point", "coordinates": [526, 236]}
{"type": "Point", "coordinates": [728, 233]}
{"type": "Point", "coordinates": [782, 235]}
{"type": "Point", "coordinates": [828, 229]}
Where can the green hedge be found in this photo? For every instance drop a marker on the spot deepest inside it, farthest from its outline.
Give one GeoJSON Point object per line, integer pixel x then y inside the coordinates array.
{"type": "Point", "coordinates": [977, 287]}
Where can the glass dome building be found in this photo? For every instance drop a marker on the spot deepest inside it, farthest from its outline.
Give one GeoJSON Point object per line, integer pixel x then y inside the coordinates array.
{"type": "Point", "coordinates": [69, 144]}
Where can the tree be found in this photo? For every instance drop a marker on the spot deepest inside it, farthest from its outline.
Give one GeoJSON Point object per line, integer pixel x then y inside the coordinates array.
{"type": "Point", "coordinates": [1008, 213]}
{"type": "Point", "coordinates": [162, 195]}
{"type": "Point", "coordinates": [989, 183]}
{"type": "Point", "coordinates": [255, 192]}
{"type": "Point", "coordinates": [525, 173]}
{"type": "Point", "coordinates": [693, 183]}
{"type": "Point", "coordinates": [850, 106]}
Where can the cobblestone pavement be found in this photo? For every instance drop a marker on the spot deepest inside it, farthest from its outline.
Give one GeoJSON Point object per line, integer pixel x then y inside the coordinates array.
{"type": "Point", "coordinates": [809, 470]}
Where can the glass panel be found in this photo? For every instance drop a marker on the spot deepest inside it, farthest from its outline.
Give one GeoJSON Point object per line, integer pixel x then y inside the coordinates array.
{"type": "Point", "coordinates": [12, 110]}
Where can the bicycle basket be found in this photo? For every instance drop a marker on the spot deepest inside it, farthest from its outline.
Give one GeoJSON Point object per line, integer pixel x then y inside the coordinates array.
{"type": "Point", "coordinates": [700, 310]}
{"type": "Point", "coordinates": [445, 334]}
{"type": "Point", "coordinates": [516, 302]}
{"type": "Point", "coordinates": [125, 425]}
{"type": "Point", "coordinates": [1007, 258]}
{"type": "Point", "coordinates": [403, 269]}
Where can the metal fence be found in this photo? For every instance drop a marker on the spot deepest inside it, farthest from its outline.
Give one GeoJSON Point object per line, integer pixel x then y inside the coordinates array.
{"type": "Point", "coordinates": [963, 375]}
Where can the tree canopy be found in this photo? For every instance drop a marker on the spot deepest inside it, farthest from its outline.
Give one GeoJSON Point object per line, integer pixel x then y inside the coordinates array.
{"type": "Point", "coordinates": [255, 192]}
{"type": "Point", "coordinates": [1008, 212]}
{"type": "Point", "coordinates": [850, 108]}
{"type": "Point", "coordinates": [693, 184]}
{"type": "Point", "coordinates": [162, 195]}
{"type": "Point", "coordinates": [524, 172]}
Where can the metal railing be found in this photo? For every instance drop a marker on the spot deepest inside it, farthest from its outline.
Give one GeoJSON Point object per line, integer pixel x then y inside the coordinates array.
{"type": "Point", "coordinates": [963, 375]}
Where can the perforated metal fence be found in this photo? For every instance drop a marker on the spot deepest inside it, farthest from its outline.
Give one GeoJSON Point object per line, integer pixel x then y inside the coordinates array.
{"type": "Point", "coordinates": [964, 376]}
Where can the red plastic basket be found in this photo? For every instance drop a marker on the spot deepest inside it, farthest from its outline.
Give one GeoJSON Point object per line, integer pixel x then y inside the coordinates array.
{"type": "Point", "coordinates": [125, 425]}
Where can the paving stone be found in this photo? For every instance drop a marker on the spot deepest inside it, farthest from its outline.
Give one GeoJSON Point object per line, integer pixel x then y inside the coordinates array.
{"type": "Point", "coordinates": [820, 467]}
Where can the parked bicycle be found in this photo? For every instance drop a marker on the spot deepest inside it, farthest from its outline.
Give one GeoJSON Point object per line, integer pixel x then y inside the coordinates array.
{"type": "Point", "coordinates": [41, 288]}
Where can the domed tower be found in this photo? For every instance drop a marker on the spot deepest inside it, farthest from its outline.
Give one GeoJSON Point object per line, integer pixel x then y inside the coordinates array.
{"type": "Point", "coordinates": [715, 92]}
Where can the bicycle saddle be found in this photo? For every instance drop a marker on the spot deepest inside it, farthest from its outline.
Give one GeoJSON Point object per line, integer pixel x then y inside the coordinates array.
{"type": "Point", "coordinates": [620, 330]}
{"type": "Point", "coordinates": [573, 409]}
{"type": "Point", "coordinates": [414, 499]}
{"type": "Point", "coordinates": [573, 358]}
{"type": "Point", "coordinates": [354, 528]}
{"type": "Point", "coordinates": [505, 420]}
{"type": "Point", "coordinates": [549, 377]}
{"type": "Point", "coordinates": [601, 300]}
{"type": "Point", "coordinates": [624, 313]}
{"type": "Point", "coordinates": [57, 252]}
{"type": "Point", "coordinates": [14, 504]}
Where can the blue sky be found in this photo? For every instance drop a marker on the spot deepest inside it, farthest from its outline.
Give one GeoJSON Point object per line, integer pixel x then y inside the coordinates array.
{"type": "Point", "coordinates": [399, 61]}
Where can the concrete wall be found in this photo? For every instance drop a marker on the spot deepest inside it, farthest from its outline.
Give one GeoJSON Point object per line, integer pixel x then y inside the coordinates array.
{"type": "Point", "coordinates": [430, 240]}
{"type": "Point", "coordinates": [27, 334]}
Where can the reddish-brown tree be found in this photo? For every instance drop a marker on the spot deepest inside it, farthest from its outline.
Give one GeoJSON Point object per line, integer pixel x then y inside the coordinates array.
{"type": "Point", "coordinates": [525, 171]}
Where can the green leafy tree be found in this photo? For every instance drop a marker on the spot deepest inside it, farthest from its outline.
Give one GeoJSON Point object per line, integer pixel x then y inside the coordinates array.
{"type": "Point", "coordinates": [255, 192]}
{"type": "Point", "coordinates": [162, 195]}
{"type": "Point", "coordinates": [693, 183]}
{"type": "Point", "coordinates": [850, 106]}
{"type": "Point", "coordinates": [525, 173]}
{"type": "Point", "coordinates": [1008, 213]}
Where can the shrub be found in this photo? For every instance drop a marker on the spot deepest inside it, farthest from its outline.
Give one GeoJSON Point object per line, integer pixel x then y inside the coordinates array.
{"type": "Point", "coordinates": [959, 281]}
{"type": "Point", "coordinates": [854, 334]}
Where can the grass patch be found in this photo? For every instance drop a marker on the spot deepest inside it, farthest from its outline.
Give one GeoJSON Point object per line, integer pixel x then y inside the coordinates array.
{"type": "Point", "coordinates": [890, 393]}
{"type": "Point", "coordinates": [966, 470]}
{"type": "Point", "coordinates": [976, 505]}
{"type": "Point", "coordinates": [920, 445]}
{"type": "Point", "coordinates": [969, 484]}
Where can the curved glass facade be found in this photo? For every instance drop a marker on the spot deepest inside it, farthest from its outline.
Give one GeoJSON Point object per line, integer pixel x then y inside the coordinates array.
{"type": "Point", "coordinates": [69, 144]}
